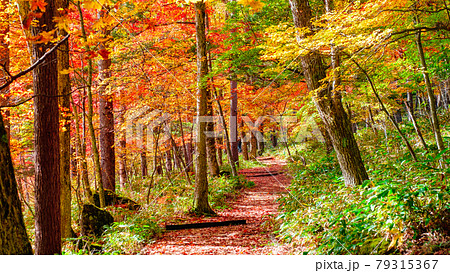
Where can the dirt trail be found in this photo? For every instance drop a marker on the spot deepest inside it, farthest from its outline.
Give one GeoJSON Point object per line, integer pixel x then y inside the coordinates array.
{"type": "Point", "coordinates": [257, 205]}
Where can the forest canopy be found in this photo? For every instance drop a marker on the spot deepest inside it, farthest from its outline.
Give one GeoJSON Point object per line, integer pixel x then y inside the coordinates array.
{"type": "Point", "coordinates": [144, 113]}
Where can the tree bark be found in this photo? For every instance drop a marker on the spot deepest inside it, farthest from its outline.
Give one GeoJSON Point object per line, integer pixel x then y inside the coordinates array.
{"type": "Point", "coordinates": [47, 149]}
{"type": "Point", "coordinates": [329, 105]}
{"type": "Point", "coordinates": [201, 204]}
{"type": "Point", "coordinates": [233, 122]}
{"type": "Point", "coordinates": [81, 147]}
{"type": "Point", "coordinates": [213, 166]}
{"type": "Point", "coordinates": [254, 146]}
{"type": "Point", "coordinates": [244, 144]}
{"type": "Point", "coordinates": [90, 115]}
{"type": "Point", "coordinates": [144, 168]}
{"type": "Point", "coordinates": [106, 111]}
{"type": "Point", "coordinates": [227, 136]}
{"type": "Point", "coordinates": [430, 93]}
{"type": "Point", "coordinates": [416, 126]}
{"type": "Point", "coordinates": [64, 89]}
{"type": "Point", "coordinates": [219, 151]}
{"type": "Point", "coordinates": [13, 234]}
{"type": "Point", "coordinates": [122, 151]}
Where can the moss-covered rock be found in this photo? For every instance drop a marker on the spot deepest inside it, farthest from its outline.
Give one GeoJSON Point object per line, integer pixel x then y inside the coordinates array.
{"type": "Point", "coordinates": [93, 220]}
{"type": "Point", "coordinates": [112, 199]}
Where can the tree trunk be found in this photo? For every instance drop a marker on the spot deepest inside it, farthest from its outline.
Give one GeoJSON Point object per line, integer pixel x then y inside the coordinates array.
{"type": "Point", "coordinates": [46, 128]}
{"type": "Point", "coordinates": [13, 234]}
{"type": "Point", "coordinates": [219, 151]}
{"type": "Point", "coordinates": [213, 166]}
{"type": "Point", "coordinates": [106, 111]}
{"type": "Point", "coordinates": [244, 144]}
{"type": "Point", "coordinates": [329, 105]}
{"type": "Point", "coordinates": [233, 122]}
{"type": "Point", "coordinates": [416, 126]}
{"type": "Point", "coordinates": [261, 144]}
{"type": "Point", "coordinates": [144, 168]}
{"type": "Point", "coordinates": [169, 163]}
{"type": "Point", "coordinates": [201, 204]}
{"type": "Point", "coordinates": [122, 151]}
{"type": "Point", "coordinates": [64, 90]}
{"type": "Point", "coordinates": [431, 97]}
{"type": "Point", "coordinates": [181, 163]}
{"type": "Point", "coordinates": [81, 147]}
{"type": "Point", "coordinates": [186, 151]}
{"type": "Point", "coordinates": [254, 146]}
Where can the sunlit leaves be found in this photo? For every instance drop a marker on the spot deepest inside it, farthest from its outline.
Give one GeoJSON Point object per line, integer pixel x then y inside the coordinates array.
{"type": "Point", "coordinates": [254, 4]}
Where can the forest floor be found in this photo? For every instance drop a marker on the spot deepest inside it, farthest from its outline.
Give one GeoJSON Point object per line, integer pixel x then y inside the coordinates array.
{"type": "Point", "coordinates": [257, 205]}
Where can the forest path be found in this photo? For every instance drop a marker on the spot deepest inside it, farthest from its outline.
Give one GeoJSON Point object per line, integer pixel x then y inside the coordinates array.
{"type": "Point", "coordinates": [257, 205]}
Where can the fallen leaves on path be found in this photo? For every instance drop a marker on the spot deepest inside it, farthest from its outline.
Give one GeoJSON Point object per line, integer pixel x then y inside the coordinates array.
{"type": "Point", "coordinates": [257, 205]}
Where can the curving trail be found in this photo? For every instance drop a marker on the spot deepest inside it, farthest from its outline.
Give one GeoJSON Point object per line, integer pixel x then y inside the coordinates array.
{"type": "Point", "coordinates": [257, 205]}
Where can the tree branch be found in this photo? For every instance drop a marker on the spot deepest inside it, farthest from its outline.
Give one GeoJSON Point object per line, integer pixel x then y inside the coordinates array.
{"type": "Point", "coordinates": [33, 66]}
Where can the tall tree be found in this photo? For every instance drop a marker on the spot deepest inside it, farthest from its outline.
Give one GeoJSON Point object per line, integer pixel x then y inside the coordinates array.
{"type": "Point", "coordinates": [122, 145]}
{"type": "Point", "coordinates": [46, 128]}
{"type": "Point", "coordinates": [233, 122]}
{"type": "Point", "coordinates": [213, 165]}
{"type": "Point", "coordinates": [13, 234]}
{"type": "Point", "coordinates": [106, 108]}
{"type": "Point", "coordinates": [90, 114]}
{"type": "Point", "coordinates": [329, 104]}
{"type": "Point", "coordinates": [144, 170]}
{"type": "Point", "coordinates": [201, 204]}
{"type": "Point", "coordinates": [64, 89]}
{"type": "Point", "coordinates": [431, 98]}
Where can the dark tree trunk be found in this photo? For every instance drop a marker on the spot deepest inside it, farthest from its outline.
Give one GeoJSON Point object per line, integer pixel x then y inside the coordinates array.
{"type": "Point", "coordinates": [122, 150]}
{"type": "Point", "coordinates": [106, 139]}
{"type": "Point", "coordinates": [233, 122]}
{"type": "Point", "coordinates": [431, 98]}
{"type": "Point", "coordinates": [46, 128]}
{"type": "Point", "coordinates": [13, 234]}
{"type": "Point", "coordinates": [189, 156]}
{"type": "Point", "coordinates": [219, 151]}
{"type": "Point", "coordinates": [329, 105]}
{"type": "Point", "coordinates": [261, 144]}
{"type": "Point", "coordinates": [325, 135]}
{"type": "Point", "coordinates": [169, 165]}
{"type": "Point", "coordinates": [244, 145]}
{"type": "Point", "coordinates": [213, 166]}
{"type": "Point", "coordinates": [64, 89]}
{"type": "Point", "coordinates": [144, 168]}
{"type": "Point", "coordinates": [81, 147]}
{"type": "Point", "coordinates": [274, 139]}
{"type": "Point", "coordinates": [254, 146]}
{"type": "Point", "coordinates": [201, 204]}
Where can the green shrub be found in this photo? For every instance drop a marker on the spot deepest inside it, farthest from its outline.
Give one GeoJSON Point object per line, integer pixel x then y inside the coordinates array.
{"type": "Point", "coordinates": [402, 197]}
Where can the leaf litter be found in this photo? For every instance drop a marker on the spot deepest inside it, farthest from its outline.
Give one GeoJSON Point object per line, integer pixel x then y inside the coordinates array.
{"type": "Point", "coordinates": [257, 205]}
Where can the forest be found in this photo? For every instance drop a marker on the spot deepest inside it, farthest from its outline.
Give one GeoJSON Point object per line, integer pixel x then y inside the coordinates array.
{"type": "Point", "coordinates": [224, 127]}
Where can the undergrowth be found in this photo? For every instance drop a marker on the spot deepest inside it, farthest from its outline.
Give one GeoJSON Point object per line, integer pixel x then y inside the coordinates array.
{"type": "Point", "coordinates": [403, 209]}
{"type": "Point", "coordinates": [168, 201]}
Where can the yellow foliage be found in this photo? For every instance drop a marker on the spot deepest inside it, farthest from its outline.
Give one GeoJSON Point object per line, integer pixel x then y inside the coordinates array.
{"type": "Point", "coordinates": [254, 4]}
